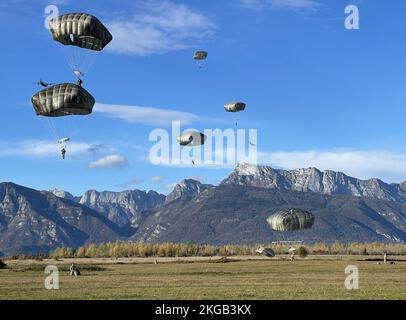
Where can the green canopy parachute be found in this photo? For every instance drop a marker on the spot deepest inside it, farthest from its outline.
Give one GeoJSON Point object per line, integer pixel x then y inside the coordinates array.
{"type": "Point", "coordinates": [234, 106]}
{"type": "Point", "coordinates": [200, 55]}
{"type": "Point", "coordinates": [290, 220]}
{"type": "Point", "coordinates": [63, 100]}
{"type": "Point", "coordinates": [191, 138]}
{"type": "Point", "coordinates": [81, 30]}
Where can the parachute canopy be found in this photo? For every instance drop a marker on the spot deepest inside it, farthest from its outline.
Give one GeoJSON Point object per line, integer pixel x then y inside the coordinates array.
{"type": "Point", "coordinates": [290, 220]}
{"type": "Point", "coordinates": [63, 140]}
{"type": "Point", "coordinates": [191, 138]}
{"type": "Point", "coordinates": [266, 251]}
{"type": "Point", "coordinates": [63, 100]}
{"type": "Point", "coordinates": [234, 106]}
{"type": "Point", "coordinates": [78, 73]}
{"type": "Point", "coordinates": [81, 30]}
{"type": "Point", "coordinates": [200, 55]}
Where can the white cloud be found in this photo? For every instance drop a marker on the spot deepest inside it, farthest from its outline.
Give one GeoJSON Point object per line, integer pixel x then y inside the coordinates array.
{"type": "Point", "coordinates": [364, 164]}
{"type": "Point", "coordinates": [160, 26]}
{"type": "Point", "coordinates": [386, 165]}
{"type": "Point", "coordinates": [145, 115]}
{"type": "Point", "coordinates": [111, 161]}
{"type": "Point", "coordinates": [41, 149]}
{"type": "Point", "coordinates": [280, 4]}
{"type": "Point", "coordinates": [157, 179]}
{"type": "Point", "coordinates": [197, 178]}
{"type": "Point", "coordinates": [132, 182]}
{"type": "Point", "coordinates": [57, 2]}
{"type": "Point", "coordinates": [169, 186]}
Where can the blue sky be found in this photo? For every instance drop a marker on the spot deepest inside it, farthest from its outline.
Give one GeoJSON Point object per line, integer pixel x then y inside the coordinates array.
{"type": "Point", "coordinates": [318, 94]}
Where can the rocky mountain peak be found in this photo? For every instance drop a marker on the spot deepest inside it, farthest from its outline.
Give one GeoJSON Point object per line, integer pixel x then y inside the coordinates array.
{"type": "Point", "coordinates": [122, 207]}
{"type": "Point", "coordinates": [64, 194]}
{"type": "Point", "coordinates": [38, 221]}
{"type": "Point", "coordinates": [312, 179]}
{"type": "Point", "coordinates": [185, 189]}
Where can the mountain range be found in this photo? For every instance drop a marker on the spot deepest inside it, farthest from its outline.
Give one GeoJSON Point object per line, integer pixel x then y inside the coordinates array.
{"type": "Point", "coordinates": [347, 209]}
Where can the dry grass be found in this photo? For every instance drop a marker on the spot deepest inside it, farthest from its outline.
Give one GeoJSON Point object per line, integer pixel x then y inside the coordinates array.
{"type": "Point", "coordinates": [254, 278]}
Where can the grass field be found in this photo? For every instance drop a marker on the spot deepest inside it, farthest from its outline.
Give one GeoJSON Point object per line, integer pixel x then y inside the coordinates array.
{"type": "Point", "coordinates": [199, 278]}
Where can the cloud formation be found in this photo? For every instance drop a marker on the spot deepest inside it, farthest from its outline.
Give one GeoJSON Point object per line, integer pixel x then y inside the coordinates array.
{"type": "Point", "coordinates": [145, 115]}
{"type": "Point", "coordinates": [111, 161]}
{"type": "Point", "coordinates": [364, 164]}
{"type": "Point", "coordinates": [132, 182]}
{"type": "Point", "coordinates": [280, 4]}
{"type": "Point", "coordinates": [159, 26]}
{"type": "Point", "coordinates": [157, 179]}
{"type": "Point", "coordinates": [169, 187]}
{"type": "Point", "coordinates": [41, 148]}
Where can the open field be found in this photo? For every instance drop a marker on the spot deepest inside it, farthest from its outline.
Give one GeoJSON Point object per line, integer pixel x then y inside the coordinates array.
{"type": "Point", "coordinates": [243, 277]}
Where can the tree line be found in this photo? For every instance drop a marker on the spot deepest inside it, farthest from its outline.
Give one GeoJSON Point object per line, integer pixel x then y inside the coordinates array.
{"type": "Point", "coordinates": [142, 249]}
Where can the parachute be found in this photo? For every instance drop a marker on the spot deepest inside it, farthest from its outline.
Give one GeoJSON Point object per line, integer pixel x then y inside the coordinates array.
{"type": "Point", "coordinates": [78, 73]}
{"type": "Point", "coordinates": [81, 30]}
{"type": "Point", "coordinates": [234, 106]}
{"type": "Point", "coordinates": [200, 55]}
{"type": "Point", "coordinates": [63, 140]}
{"type": "Point", "coordinates": [266, 252]}
{"type": "Point", "coordinates": [290, 220]}
{"type": "Point", "coordinates": [63, 100]}
{"type": "Point", "coordinates": [191, 138]}
{"type": "Point", "coordinates": [83, 36]}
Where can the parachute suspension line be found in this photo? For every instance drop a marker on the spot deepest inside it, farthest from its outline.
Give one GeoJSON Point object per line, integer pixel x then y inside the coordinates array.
{"type": "Point", "coordinates": [72, 126]}
{"type": "Point", "coordinates": [50, 128]}
{"type": "Point", "coordinates": [78, 58]}
{"type": "Point", "coordinates": [90, 61]}
{"type": "Point", "coordinates": [53, 127]}
{"type": "Point", "coordinates": [65, 126]}
{"type": "Point", "coordinates": [82, 36]}
{"type": "Point", "coordinates": [236, 119]}
{"type": "Point", "coordinates": [68, 57]}
{"type": "Point", "coordinates": [285, 236]}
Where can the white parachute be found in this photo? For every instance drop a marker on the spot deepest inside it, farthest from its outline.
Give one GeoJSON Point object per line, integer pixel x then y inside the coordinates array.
{"type": "Point", "coordinates": [63, 140]}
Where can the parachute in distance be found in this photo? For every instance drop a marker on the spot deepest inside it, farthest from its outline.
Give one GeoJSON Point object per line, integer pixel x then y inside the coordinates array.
{"type": "Point", "coordinates": [63, 100]}
{"type": "Point", "coordinates": [266, 252]}
{"type": "Point", "coordinates": [79, 74]}
{"type": "Point", "coordinates": [63, 140]}
{"type": "Point", "coordinates": [290, 220]}
{"type": "Point", "coordinates": [200, 55]}
{"type": "Point", "coordinates": [191, 138]}
{"type": "Point", "coordinates": [81, 30]}
{"type": "Point", "coordinates": [234, 106]}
